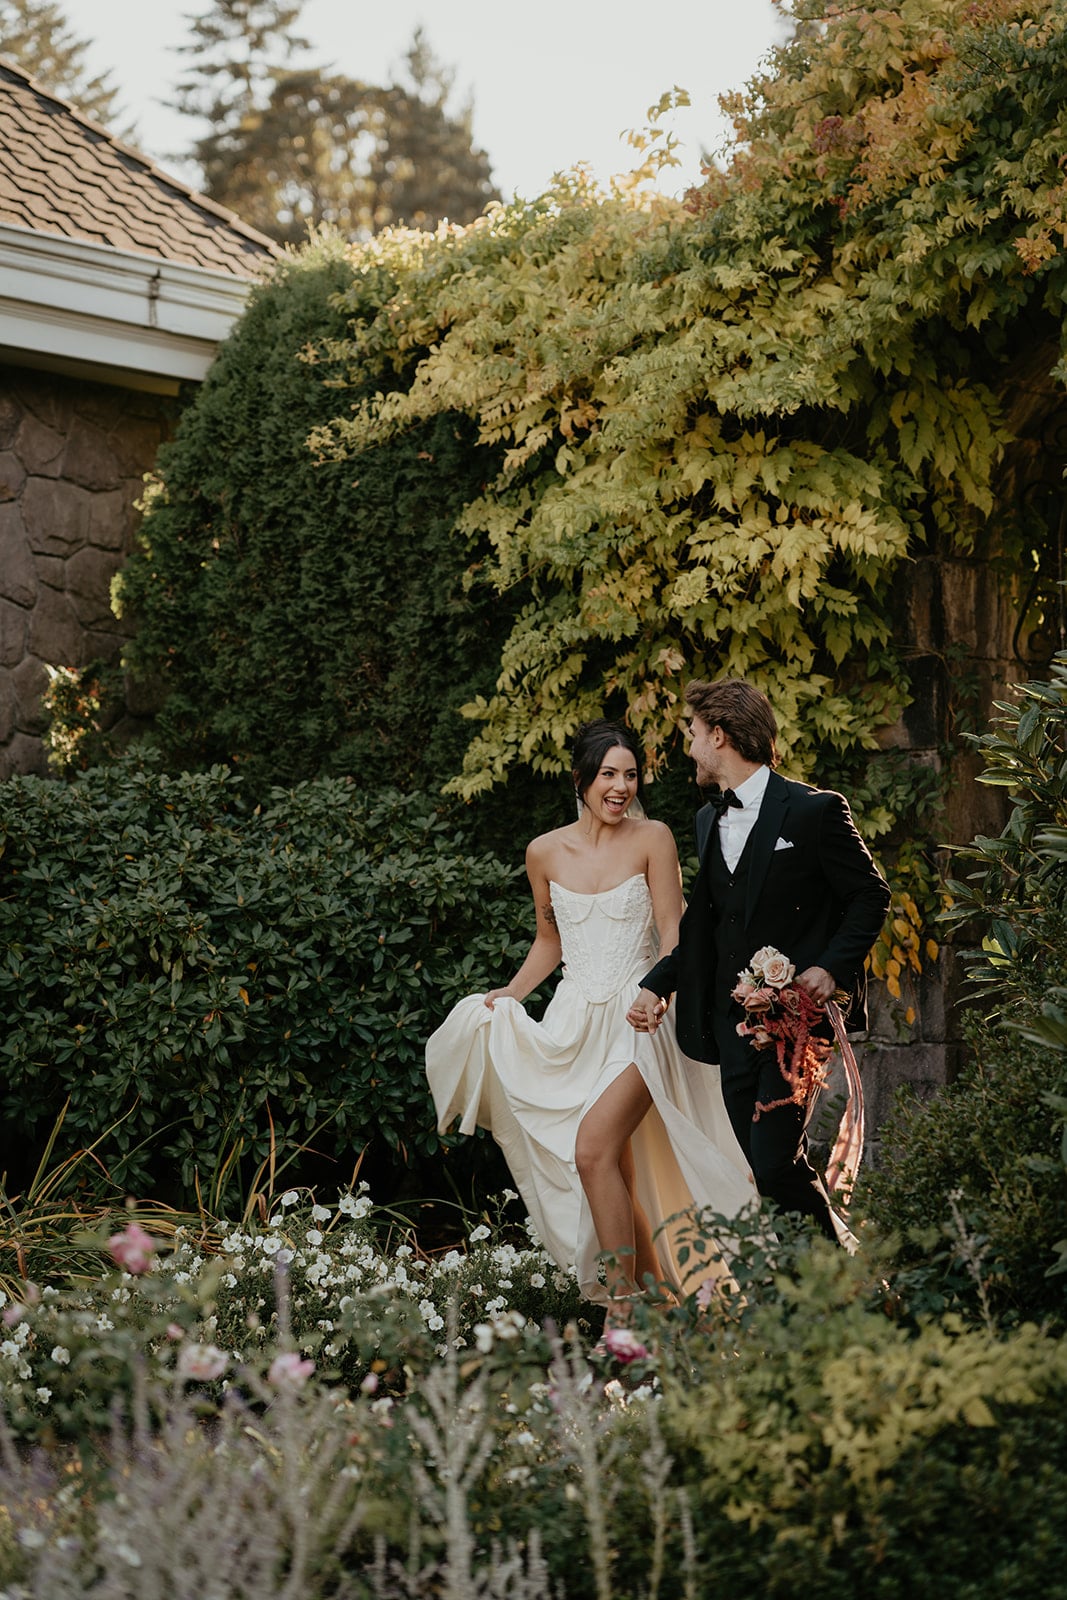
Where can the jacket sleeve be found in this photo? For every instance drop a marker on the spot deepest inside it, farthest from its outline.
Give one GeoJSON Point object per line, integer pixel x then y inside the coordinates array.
{"type": "Point", "coordinates": [856, 885]}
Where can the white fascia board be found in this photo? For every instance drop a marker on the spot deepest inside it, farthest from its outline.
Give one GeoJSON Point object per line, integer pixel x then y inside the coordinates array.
{"type": "Point", "coordinates": [94, 303]}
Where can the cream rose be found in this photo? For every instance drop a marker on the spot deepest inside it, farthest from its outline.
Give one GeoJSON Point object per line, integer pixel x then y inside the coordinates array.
{"type": "Point", "coordinates": [773, 967]}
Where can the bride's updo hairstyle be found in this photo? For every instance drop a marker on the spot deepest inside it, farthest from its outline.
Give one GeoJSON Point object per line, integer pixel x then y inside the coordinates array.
{"type": "Point", "coordinates": [592, 743]}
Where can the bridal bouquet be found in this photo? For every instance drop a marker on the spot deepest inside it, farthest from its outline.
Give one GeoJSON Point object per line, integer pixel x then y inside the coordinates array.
{"type": "Point", "coordinates": [780, 1014]}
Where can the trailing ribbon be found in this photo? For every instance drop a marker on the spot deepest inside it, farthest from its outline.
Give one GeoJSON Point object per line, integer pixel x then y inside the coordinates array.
{"type": "Point", "coordinates": [847, 1153]}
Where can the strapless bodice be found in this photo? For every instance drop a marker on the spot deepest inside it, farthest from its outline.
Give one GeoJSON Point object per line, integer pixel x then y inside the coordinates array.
{"type": "Point", "coordinates": [607, 938]}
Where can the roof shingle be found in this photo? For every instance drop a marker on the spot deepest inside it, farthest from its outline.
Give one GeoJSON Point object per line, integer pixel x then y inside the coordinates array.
{"type": "Point", "coordinates": [62, 173]}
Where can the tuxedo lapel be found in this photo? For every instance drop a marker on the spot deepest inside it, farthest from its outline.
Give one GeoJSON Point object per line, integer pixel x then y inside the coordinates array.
{"type": "Point", "coordinates": [705, 821]}
{"type": "Point", "coordinates": [765, 833]}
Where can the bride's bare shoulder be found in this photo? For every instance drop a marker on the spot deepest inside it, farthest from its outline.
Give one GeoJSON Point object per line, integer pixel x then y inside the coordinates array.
{"type": "Point", "coordinates": [545, 848]}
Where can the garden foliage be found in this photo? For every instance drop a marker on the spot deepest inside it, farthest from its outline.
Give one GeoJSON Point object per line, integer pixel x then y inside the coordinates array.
{"type": "Point", "coordinates": [558, 462]}
{"type": "Point", "coordinates": [994, 1139]}
{"type": "Point", "coordinates": [726, 428]}
{"type": "Point", "coordinates": [402, 1445]}
{"type": "Point", "coordinates": [304, 619]}
{"type": "Point", "coordinates": [174, 952]}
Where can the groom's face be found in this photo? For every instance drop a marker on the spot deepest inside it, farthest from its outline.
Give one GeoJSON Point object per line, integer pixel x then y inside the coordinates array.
{"type": "Point", "coordinates": [705, 746]}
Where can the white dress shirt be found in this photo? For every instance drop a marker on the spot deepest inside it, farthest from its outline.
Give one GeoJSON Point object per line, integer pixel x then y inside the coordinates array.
{"type": "Point", "coordinates": [737, 822]}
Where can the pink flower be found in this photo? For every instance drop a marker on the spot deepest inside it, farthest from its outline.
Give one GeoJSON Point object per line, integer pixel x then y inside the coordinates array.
{"type": "Point", "coordinates": [201, 1363]}
{"type": "Point", "coordinates": [760, 1000]}
{"type": "Point", "coordinates": [370, 1383]}
{"type": "Point", "coordinates": [624, 1345]}
{"type": "Point", "coordinates": [13, 1314]}
{"type": "Point", "coordinates": [745, 986]}
{"type": "Point", "coordinates": [175, 1331]}
{"type": "Point", "coordinates": [705, 1293]}
{"type": "Point", "coordinates": [287, 1371]}
{"type": "Point", "coordinates": [133, 1249]}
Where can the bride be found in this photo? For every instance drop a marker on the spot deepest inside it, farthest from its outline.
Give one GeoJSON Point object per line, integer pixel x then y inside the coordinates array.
{"type": "Point", "coordinates": [608, 1133]}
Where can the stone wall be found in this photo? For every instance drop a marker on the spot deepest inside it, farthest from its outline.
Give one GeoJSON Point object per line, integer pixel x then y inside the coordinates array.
{"type": "Point", "coordinates": [72, 460]}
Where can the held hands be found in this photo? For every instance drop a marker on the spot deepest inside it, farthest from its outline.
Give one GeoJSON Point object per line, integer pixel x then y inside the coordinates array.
{"type": "Point", "coordinates": [646, 1013]}
{"type": "Point", "coordinates": [817, 982]}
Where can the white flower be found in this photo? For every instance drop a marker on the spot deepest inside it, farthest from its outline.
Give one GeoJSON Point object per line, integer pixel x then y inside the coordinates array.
{"type": "Point", "coordinates": [61, 1355]}
{"type": "Point", "coordinates": [537, 1280]}
{"type": "Point", "coordinates": [314, 1237]}
{"type": "Point", "coordinates": [496, 1305]}
{"type": "Point", "coordinates": [320, 1213]}
{"type": "Point", "coordinates": [435, 1324]}
{"type": "Point", "coordinates": [479, 1233]}
{"type": "Point", "coordinates": [289, 1198]}
{"type": "Point", "coordinates": [483, 1337]}
{"type": "Point", "coordinates": [43, 1395]}
{"type": "Point", "coordinates": [509, 1194]}
{"type": "Point", "coordinates": [30, 1538]}
{"type": "Point", "coordinates": [276, 1222]}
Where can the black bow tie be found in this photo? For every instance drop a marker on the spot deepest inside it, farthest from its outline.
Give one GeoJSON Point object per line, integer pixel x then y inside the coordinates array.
{"type": "Point", "coordinates": [721, 798]}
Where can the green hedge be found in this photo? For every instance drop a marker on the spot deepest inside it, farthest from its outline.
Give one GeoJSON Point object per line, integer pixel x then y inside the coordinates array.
{"type": "Point", "coordinates": [299, 618]}
{"type": "Point", "coordinates": [170, 947]}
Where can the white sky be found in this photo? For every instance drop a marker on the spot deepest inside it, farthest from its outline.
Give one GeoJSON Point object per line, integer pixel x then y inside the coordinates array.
{"type": "Point", "coordinates": [554, 82]}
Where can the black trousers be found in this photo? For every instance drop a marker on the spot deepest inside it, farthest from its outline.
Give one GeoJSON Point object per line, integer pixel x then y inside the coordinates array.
{"type": "Point", "coordinates": [775, 1146]}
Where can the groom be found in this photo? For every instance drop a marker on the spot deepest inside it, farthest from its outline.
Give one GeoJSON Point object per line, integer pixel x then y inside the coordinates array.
{"type": "Point", "coordinates": [781, 864]}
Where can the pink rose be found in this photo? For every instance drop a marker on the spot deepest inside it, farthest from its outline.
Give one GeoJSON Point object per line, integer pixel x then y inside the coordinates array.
{"type": "Point", "coordinates": [287, 1371]}
{"type": "Point", "coordinates": [624, 1345]}
{"type": "Point", "coordinates": [760, 1001]}
{"type": "Point", "coordinates": [133, 1249]}
{"type": "Point", "coordinates": [745, 987]}
{"type": "Point", "coordinates": [201, 1363]}
{"type": "Point", "coordinates": [761, 1038]}
{"type": "Point", "coordinates": [778, 971]}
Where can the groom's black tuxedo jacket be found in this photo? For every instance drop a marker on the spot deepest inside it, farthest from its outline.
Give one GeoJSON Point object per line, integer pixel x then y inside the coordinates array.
{"type": "Point", "coordinates": [812, 892]}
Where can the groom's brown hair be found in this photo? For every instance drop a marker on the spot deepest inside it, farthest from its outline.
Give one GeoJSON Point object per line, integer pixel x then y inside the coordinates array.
{"type": "Point", "coordinates": [743, 713]}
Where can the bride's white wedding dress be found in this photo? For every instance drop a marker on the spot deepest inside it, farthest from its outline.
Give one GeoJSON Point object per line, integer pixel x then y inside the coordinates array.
{"type": "Point", "coordinates": [531, 1083]}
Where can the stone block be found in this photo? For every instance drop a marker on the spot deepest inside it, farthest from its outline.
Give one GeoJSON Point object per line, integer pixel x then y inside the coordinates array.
{"type": "Point", "coordinates": [14, 626]}
{"type": "Point", "coordinates": [8, 708]}
{"type": "Point", "coordinates": [136, 444]}
{"type": "Point", "coordinates": [921, 1068]}
{"type": "Point", "coordinates": [89, 459]}
{"type": "Point", "coordinates": [106, 644]}
{"type": "Point", "coordinates": [88, 581]}
{"type": "Point", "coordinates": [56, 515]}
{"type": "Point", "coordinates": [111, 519]}
{"type": "Point", "coordinates": [55, 633]}
{"type": "Point", "coordinates": [46, 398]}
{"type": "Point", "coordinates": [18, 578]}
{"type": "Point", "coordinates": [23, 756]}
{"type": "Point", "coordinates": [10, 419]}
{"type": "Point", "coordinates": [12, 475]}
{"type": "Point", "coordinates": [39, 448]}
{"type": "Point", "coordinates": [51, 570]}
{"type": "Point", "coordinates": [29, 681]}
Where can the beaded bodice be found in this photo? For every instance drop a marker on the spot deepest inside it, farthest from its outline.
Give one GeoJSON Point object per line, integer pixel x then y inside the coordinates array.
{"type": "Point", "coordinates": [607, 938]}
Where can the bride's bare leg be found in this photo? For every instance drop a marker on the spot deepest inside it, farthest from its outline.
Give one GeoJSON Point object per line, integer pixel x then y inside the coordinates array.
{"type": "Point", "coordinates": [645, 1260]}
{"type": "Point", "coordinates": [601, 1149]}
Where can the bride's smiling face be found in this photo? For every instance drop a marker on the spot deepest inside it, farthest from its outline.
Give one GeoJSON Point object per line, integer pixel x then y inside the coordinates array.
{"type": "Point", "coordinates": [614, 786]}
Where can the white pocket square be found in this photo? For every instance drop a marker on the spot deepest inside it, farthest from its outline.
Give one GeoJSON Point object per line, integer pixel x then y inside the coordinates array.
{"type": "Point", "coordinates": [784, 844]}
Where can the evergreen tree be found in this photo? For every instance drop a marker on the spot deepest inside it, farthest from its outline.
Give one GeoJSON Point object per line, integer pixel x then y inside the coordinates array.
{"type": "Point", "coordinates": [292, 147]}
{"type": "Point", "coordinates": [36, 34]}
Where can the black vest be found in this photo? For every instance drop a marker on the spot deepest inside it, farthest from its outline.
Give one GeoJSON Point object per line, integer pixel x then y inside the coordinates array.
{"type": "Point", "coordinates": [728, 892]}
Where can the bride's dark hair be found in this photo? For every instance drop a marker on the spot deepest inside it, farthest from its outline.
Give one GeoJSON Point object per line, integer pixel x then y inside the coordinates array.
{"type": "Point", "coordinates": [592, 743]}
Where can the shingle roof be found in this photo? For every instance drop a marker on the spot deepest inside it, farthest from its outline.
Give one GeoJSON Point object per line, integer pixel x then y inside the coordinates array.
{"type": "Point", "coordinates": [62, 173]}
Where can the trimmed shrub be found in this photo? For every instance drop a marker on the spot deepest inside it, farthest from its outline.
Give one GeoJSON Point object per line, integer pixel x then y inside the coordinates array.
{"type": "Point", "coordinates": [305, 618]}
{"type": "Point", "coordinates": [177, 954]}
